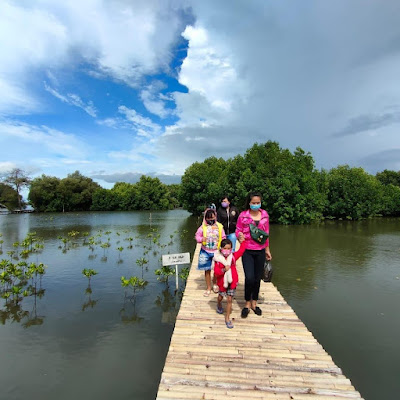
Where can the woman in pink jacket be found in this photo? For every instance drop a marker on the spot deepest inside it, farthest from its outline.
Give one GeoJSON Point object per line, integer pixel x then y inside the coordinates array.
{"type": "Point", "coordinates": [254, 257]}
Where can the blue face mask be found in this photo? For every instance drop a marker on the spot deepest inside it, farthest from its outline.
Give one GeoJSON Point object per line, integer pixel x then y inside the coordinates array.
{"type": "Point", "coordinates": [255, 206]}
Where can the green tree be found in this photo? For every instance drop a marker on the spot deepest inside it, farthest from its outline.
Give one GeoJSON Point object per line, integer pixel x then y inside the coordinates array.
{"type": "Point", "coordinates": [388, 177]}
{"type": "Point", "coordinates": [152, 194]}
{"type": "Point", "coordinates": [8, 196]}
{"type": "Point", "coordinates": [44, 194]}
{"type": "Point", "coordinates": [390, 200]}
{"type": "Point", "coordinates": [18, 179]}
{"type": "Point", "coordinates": [126, 195]}
{"type": "Point", "coordinates": [353, 193]}
{"type": "Point", "coordinates": [76, 192]}
{"type": "Point", "coordinates": [104, 200]}
{"type": "Point", "coordinates": [204, 183]}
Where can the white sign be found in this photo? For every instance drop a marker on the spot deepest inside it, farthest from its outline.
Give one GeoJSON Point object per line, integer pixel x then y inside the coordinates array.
{"type": "Point", "coordinates": [175, 259]}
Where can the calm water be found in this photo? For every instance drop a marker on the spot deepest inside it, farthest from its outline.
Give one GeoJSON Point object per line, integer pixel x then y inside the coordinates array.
{"type": "Point", "coordinates": [341, 278]}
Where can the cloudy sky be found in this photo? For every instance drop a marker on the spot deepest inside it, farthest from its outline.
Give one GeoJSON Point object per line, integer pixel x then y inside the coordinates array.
{"type": "Point", "coordinates": [120, 88]}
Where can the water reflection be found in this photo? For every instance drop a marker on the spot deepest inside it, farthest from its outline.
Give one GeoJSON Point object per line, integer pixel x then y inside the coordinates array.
{"type": "Point", "coordinates": [90, 303]}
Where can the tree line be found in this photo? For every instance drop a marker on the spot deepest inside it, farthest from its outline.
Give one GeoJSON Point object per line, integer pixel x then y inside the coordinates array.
{"type": "Point", "coordinates": [294, 191]}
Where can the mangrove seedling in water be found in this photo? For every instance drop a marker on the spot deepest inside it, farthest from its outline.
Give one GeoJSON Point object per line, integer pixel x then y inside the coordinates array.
{"type": "Point", "coordinates": [134, 283]}
{"type": "Point", "coordinates": [164, 273]}
{"type": "Point", "coordinates": [88, 272]}
{"type": "Point", "coordinates": [141, 262]}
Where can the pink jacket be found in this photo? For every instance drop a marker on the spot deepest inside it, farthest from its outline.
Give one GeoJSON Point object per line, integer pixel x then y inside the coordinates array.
{"type": "Point", "coordinates": [243, 223]}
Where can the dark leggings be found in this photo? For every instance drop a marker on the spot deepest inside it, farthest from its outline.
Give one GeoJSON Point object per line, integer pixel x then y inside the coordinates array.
{"type": "Point", "coordinates": [253, 265]}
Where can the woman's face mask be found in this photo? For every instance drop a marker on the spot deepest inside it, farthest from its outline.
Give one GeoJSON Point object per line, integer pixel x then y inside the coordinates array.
{"type": "Point", "coordinates": [226, 252]}
{"type": "Point", "coordinates": [255, 206]}
{"type": "Point", "coordinates": [225, 204]}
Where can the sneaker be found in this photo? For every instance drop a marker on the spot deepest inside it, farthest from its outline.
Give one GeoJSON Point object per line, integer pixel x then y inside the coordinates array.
{"type": "Point", "coordinates": [245, 312]}
{"type": "Point", "coordinates": [220, 310]}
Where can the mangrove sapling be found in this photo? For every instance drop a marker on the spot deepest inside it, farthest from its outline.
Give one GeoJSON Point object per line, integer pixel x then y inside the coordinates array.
{"type": "Point", "coordinates": [164, 273]}
{"type": "Point", "coordinates": [88, 272]}
{"type": "Point", "coordinates": [11, 254]}
{"type": "Point", "coordinates": [130, 239]}
{"type": "Point", "coordinates": [142, 262]}
{"type": "Point", "coordinates": [134, 283]}
{"type": "Point", "coordinates": [120, 249]}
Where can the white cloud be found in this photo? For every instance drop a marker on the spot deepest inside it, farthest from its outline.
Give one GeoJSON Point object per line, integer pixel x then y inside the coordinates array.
{"type": "Point", "coordinates": [155, 101]}
{"type": "Point", "coordinates": [41, 139]}
{"type": "Point", "coordinates": [124, 40]}
{"type": "Point", "coordinates": [6, 166]}
{"type": "Point", "coordinates": [145, 126]}
{"type": "Point", "coordinates": [74, 100]}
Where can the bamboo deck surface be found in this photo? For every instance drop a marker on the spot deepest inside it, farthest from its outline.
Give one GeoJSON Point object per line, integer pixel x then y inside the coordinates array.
{"type": "Point", "coordinates": [269, 357]}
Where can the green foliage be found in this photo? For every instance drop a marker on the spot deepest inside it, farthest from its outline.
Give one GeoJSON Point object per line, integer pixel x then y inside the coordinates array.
{"type": "Point", "coordinates": [289, 183]}
{"type": "Point", "coordinates": [164, 273]}
{"type": "Point", "coordinates": [8, 196]}
{"type": "Point", "coordinates": [387, 177]}
{"type": "Point", "coordinates": [203, 183]}
{"type": "Point", "coordinates": [352, 193]}
{"type": "Point", "coordinates": [88, 272]}
{"type": "Point", "coordinates": [293, 191]}
{"type": "Point", "coordinates": [73, 193]}
{"type": "Point", "coordinates": [18, 179]}
{"type": "Point", "coordinates": [43, 194]}
{"type": "Point", "coordinates": [391, 200]}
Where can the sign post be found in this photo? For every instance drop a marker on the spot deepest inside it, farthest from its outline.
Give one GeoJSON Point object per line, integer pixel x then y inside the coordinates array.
{"type": "Point", "coordinates": [176, 259]}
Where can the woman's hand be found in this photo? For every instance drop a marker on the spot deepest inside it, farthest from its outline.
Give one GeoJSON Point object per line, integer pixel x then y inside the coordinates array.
{"type": "Point", "coordinates": [268, 254]}
{"type": "Point", "coordinates": [241, 237]}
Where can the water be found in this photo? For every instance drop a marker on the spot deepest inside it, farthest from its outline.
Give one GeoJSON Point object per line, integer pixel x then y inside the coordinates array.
{"type": "Point", "coordinates": [341, 278]}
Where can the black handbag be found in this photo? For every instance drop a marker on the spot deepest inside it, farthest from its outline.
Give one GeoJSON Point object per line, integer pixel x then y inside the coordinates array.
{"type": "Point", "coordinates": [257, 234]}
{"type": "Point", "coordinates": [267, 272]}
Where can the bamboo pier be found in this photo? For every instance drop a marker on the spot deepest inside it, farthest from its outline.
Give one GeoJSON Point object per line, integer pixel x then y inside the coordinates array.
{"type": "Point", "coordinates": [273, 356]}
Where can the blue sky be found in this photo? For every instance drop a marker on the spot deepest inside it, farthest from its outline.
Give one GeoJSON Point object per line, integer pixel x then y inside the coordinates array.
{"type": "Point", "coordinates": [120, 88]}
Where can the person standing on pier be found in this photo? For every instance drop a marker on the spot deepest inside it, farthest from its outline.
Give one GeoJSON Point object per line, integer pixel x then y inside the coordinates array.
{"type": "Point", "coordinates": [257, 249]}
{"type": "Point", "coordinates": [227, 215]}
{"type": "Point", "coordinates": [209, 234]}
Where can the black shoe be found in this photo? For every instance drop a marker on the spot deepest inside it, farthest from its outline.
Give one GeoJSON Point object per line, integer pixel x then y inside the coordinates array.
{"type": "Point", "coordinates": [245, 312]}
{"type": "Point", "coordinates": [257, 310]}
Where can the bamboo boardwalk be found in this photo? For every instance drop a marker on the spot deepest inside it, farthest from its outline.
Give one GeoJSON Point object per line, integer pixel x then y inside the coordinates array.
{"type": "Point", "coordinates": [269, 357]}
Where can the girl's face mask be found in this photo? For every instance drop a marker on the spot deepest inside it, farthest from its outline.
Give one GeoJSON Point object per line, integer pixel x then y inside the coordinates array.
{"type": "Point", "coordinates": [210, 221]}
{"type": "Point", "coordinates": [226, 252]}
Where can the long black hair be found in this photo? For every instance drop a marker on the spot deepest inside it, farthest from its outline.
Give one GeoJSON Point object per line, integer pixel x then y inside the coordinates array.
{"type": "Point", "coordinates": [249, 198]}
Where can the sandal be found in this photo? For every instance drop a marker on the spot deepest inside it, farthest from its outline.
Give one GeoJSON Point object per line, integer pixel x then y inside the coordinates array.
{"type": "Point", "coordinates": [215, 288]}
{"type": "Point", "coordinates": [206, 293]}
{"type": "Point", "coordinates": [220, 310]}
{"type": "Point", "coordinates": [229, 324]}
{"type": "Point", "coordinates": [245, 312]}
{"type": "Point", "coordinates": [257, 310]}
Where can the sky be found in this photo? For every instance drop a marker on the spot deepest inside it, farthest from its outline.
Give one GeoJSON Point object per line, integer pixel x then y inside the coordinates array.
{"type": "Point", "coordinates": [120, 88]}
